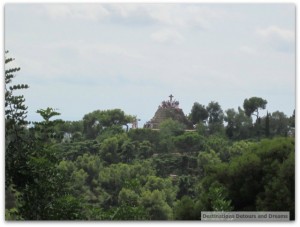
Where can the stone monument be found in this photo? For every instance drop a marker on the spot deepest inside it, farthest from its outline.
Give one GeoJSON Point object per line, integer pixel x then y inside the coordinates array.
{"type": "Point", "coordinates": [168, 109]}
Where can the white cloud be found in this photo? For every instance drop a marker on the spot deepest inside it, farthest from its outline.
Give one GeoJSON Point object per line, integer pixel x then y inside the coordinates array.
{"type": "Point", "coordinates": [274, 32]}
{"type": "Point", "coordinates": [278, 39]}
{"type": "Point", "coordinates": [185, 15]}
{"type": "Point", "coordinates": [203, 16]}
{"type": "Point", "coordinates": [166, 15]}
{"type": "Point", "coordinates": [167, 36]}
{"type": "Point", "coordinates": [177, 15]}
{"type": "Point", "coordinates": [123, 10]}
{"type": "Point", "coordinates": [92, 12]}
{"type": "Point", "coordinates": [92, 49]}
{"type": "Point", "coordinates": [69, 61]}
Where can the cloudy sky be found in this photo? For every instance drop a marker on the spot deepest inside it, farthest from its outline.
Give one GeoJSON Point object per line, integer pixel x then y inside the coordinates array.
{"type": "Point", "coordinates": [83, 57]}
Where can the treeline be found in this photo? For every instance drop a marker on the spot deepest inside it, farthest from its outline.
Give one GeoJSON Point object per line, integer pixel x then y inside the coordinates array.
{"type": "Point", "coordinates": [239, 124]}
{"type": "Point", "coordinates": [99, 169]}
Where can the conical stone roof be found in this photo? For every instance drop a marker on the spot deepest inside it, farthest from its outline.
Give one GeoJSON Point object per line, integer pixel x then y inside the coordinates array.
{"type": "Point", "coordinates": [168, 110]}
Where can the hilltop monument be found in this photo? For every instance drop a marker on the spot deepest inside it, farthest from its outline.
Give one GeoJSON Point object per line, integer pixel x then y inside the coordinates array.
{"type": "Point", "coordinates": [168, 109]}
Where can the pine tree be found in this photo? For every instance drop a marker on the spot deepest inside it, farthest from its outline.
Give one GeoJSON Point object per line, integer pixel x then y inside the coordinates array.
{"type": "Point", "coordinates": [267, 129]}
{"type": "Point", "coordinates": [15, 127]}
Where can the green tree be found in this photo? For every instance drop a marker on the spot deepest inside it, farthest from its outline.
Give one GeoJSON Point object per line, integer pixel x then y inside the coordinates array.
{"type": "Point", "coordinates": [279, 124]}
{"type": "Point", "coordinates": [244, 180]}
{"type": "Point", "coordinates": [292, 120]}
{"type": "Point", "coordinates": [189, 142]}
{"type": "Point", "coordinates": [45, 130]}
{"type": "Point", "coordinates": [16, 136]}
{"type": "Point", "coordinates": [74, 130]}
{"type": "Point", "coordinates": [252, 178]}
{"type": "Point", "coordinates": [155, 205]}
{"type": "Point", "coordinates": [207, 160]}
{"type": "Point", "coordinates": [198, 113]}
{"type": "Point", "coordinates": [184, 209]}
{"type": "Point", "coordinates": [45, 190]}
{"type": "Point", "coordinates": [219, 145]}
{"type": "Point", "coordinates": [124, 212]}
{"type": "Point", "coordinates": [109, 150]}
{"type": "Point", "coordinates": [71, 126]}
{"type": "Point", "coordinates": [278, 168]}
{"type": "Point", "coordinates": [83, 183]}
{"type": "Point", "coordinates": [202, 129]}
{"type": "Point", "coordinates": [238, 148]}
{"type": "Point", "coordinates": [166, 164]}
{"type": "Point", "coordinates": [251, 107]}
{"type": "Point", "coordinates": [117, 176]}
{"type": "Point", "coordinates": [211, 195]}
{"type": "Point", "coordinates": [253, 104]}
{"type": "Point", "coordinates": [145, 150]}
{"type": "Point", "coordinates": [279, 193]}
{"type": "Point", "coordinates": [12, 204]}
{"type": "Point", "coordinates": [128, 196]}
{"type": "Point", "coordinates": [70, 151]}
{"type": "Point", "coordinates": [31, 162]}
{"type": "Point", "coordinates": [215, 118]}
{"type": "Point", "coordinates": [239, 125]}
{"type": "Point", "coordinates": [168, 129]}
{"type": "Point", "coordinates": [217, 196]}
{"type": "Point", "coordinates": [95, 122]}
{"type": "Point", "coordinates": [230, 119]}
{"type": "Point", "coordinates": [267, 127]}
{"type": "Point", "coordinates": [185, 186]}
{"type": "Point", "coordinates": [145, 134]}
{"type": "Point", "coordinates": [128, 151]}
{"type": "Point", "coordinates": [118, 148]}
{"type": "Point", "coordinates": [163, 185]}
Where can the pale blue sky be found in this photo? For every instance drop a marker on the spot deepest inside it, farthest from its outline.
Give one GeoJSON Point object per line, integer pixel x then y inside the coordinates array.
{"type": "Point", "coordinates": [83, 57]}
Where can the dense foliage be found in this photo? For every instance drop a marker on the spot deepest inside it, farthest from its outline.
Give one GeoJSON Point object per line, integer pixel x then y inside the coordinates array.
{"type": "Point", "coordinates": [99, 169]}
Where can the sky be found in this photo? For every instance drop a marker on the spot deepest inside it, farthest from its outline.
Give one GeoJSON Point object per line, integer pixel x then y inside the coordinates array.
{"type": "Point", "coordinates": [78, 58]}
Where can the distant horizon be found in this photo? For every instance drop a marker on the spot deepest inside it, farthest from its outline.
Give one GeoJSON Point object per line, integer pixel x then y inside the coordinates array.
{"type": "Point", "coordinates": [81, 58]}
{"type": "Point", "coordinates": [142, 121]}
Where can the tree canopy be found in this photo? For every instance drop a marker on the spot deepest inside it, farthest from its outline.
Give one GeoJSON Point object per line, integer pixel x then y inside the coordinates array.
{"type": "Point", "coordinates": [97, 168]}
{"type": "Point", "coordinates": [253, 104]}
{"type": "Point", "coordinates": [198, 113]}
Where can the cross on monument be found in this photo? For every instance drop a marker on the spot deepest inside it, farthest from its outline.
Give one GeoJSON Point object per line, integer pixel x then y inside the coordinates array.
{"type": "Point", "coordinates": [171, 96]}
